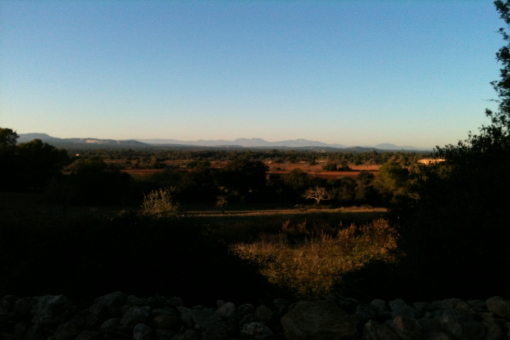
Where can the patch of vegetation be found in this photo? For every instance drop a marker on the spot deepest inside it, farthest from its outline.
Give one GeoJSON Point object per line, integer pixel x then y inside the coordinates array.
{"type": "Point", "coordinates": [160, 203]}
{"type": "Point", "coordinates": [309, 259]}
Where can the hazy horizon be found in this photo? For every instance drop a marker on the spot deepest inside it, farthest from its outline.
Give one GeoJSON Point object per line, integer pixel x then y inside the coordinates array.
{"type": "Point", "coordinates": [245, 142]}
{"type": "Point", "coordinates": [345, 72]}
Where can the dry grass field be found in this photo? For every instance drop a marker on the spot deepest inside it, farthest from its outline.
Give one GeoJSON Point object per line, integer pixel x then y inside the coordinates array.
{"type": "Point", "coordinates": [306, 252]}
{"type": "Point", "coordinates": [310, 258]}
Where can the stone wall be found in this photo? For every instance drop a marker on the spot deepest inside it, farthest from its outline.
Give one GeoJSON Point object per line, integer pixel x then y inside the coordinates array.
{"type": "Point", "coordinates": [119, 316]}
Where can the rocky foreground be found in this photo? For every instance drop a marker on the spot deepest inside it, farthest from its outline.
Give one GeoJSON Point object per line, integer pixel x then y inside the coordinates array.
{"type": "Point", "coordinates": [119, 316]}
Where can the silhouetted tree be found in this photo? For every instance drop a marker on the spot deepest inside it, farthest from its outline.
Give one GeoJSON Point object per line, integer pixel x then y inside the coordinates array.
{"type": "Point", "coordinates": [297, 180]}
{"type": "Point", "coordinates": [39, 162]}
{"type": "Point", "coordinates": [94, 182]}
{"type": "Point", "coordinates": [8, 139]}
{"type": "Point", "coordinates": [247, 178]}
{"type": "Point", "coordinates": [8, 161]}
{"type": "Point", "coordinates": [453, 226]}
{"type": "Point", "coordinates": [30, 164]}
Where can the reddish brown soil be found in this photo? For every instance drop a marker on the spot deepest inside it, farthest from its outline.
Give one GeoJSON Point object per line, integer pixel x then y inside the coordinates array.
{"type": "Point", "coordinates": [283, 168]}
{"type": "Point", "coordinates": [141, 172]}
{"type": "Point", "coordinates": [326, 174]}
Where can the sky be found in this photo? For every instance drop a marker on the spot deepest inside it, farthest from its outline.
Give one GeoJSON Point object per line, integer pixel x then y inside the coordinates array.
{"type": "Point", "coordinates": [365, 72]}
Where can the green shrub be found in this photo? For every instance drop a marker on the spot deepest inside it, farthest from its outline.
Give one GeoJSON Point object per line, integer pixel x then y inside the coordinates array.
{"type": "Point", "coordinates": [159, 203]}
{"type": "Point", "coordinates": [329, 167]}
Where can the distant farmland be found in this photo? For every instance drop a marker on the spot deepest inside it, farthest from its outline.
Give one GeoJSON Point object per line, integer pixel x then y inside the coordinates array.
{"type": "Point", "coordinates": [282, 169]}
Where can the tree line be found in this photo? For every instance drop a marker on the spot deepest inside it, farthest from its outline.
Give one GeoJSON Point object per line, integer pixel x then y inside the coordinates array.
{"type": "Point", "coordinates": [91, 180]}
{"type": "Point", "coordinates": [153, 158]}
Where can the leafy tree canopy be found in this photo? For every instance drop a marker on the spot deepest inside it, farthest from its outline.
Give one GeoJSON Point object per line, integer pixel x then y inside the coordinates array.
{"type": "Point", "coordinates": [7, 138]}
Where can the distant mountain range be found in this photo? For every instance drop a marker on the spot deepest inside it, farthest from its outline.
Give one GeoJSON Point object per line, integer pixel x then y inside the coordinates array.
{"type": "Point", "coordinates": [27, 137]}
{"type": "Point", "coordinates": [258, 142]}
{"type": "Point", "coordinates": [244, 142]}
{"type": "Point", "coordinates": [239, 143]}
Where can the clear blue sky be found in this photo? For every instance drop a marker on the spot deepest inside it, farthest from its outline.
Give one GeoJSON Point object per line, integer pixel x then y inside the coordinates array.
{"type": "Point", "coordinates": [349, 72]}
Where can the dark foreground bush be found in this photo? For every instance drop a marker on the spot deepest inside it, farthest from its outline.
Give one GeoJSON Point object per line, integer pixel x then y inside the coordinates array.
{"type": "Point", "coordinates": [140, 255]}
{"type": "Point", "coordinates": [453, 240]}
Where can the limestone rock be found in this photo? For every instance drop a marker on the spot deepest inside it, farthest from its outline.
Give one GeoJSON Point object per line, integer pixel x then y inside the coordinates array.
{"type": "Point", "coordinates": [248, 318]}
{"type": "Point", "coordinates": [246, 308]}
{"type": "Point", "coordinates": [318, 320]}
{"type": "Point", "coordinates": [430, 325]}
{"type": "Point", "coordinates": [110, 325]}
{"type": "Point", "coordinates": [205, 318]}
{"type": "Point", "coordinates": [219, 331]}
{"type": "Point", "coordinates": [69, 330]}
{"type": "Point", "coordinates": [7, 336]}
{"type": "Point", "coordinates": [164, 334]}
{"type": "Point", "coordinates": [187, 335]}
{"type": "Point", "coordinates": [494, 332]}
{"type": "Point", "coordinates": [95, 317]}
{"type": "Point", "coordinates": [165, 321]}
{"type": "Point", "coordinates": [477, 303]}
{"type": "Point", "coordinates": [436, 336]}
{"type": "Point", "coordinates": [134, 316]}
{"type": "Point", "coordinates": [459, 324]}
{"type": "Point", "coordinates": [185, 315]}
{"type": "Point", "coordinates": [142, 332]}
{"type": "Point", "coordinates": [263, 314]}
{"type": "Point", "coordinates": [280, 306]}
{"type": "Point", "coordinates": [35, 332]}
{"type": "Point", "coordinates": [506, 329]}
{"type": "Point", "coordinates": [498, 306]}
{"type": "Point", "coordinates": [51, 309]}
{"type": "Point", "coordinates": [382, 308]}
{"type": "Point", "coordinates": [23, 307]}
{"type": "Point", "coordinates": [256, 331]}
{"type": "Point", "coordinates": [226, 310]}
{"type": "Point", "coordinates": [88, 335]}
{"type": "Point", "coordinates": [407, 328]}
{"type": "Point", "coordinates": [373, 331]}
{"type": "Point", "coordinates": [458, 303]}
{"type": "Point", "coordinates": [7, 301]}
{"type": "Point", "coordinates": [400, 308]}
{"type": "Point", "coordinates": [21, 329]}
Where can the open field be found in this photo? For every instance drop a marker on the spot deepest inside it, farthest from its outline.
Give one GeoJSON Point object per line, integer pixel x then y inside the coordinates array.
{"type": "Point", "coordinates": [23, 203]}
{"type": "Point", "coordinates": [302, 251]}
{"type": "Point", "coordinates": [325, 174]}
{"type": "Point", "coordinates": [274, 168]}
{"type": "Point", "coordinates": [286, 212]}
{"type": "Point", "coordinates": [141, 172]}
